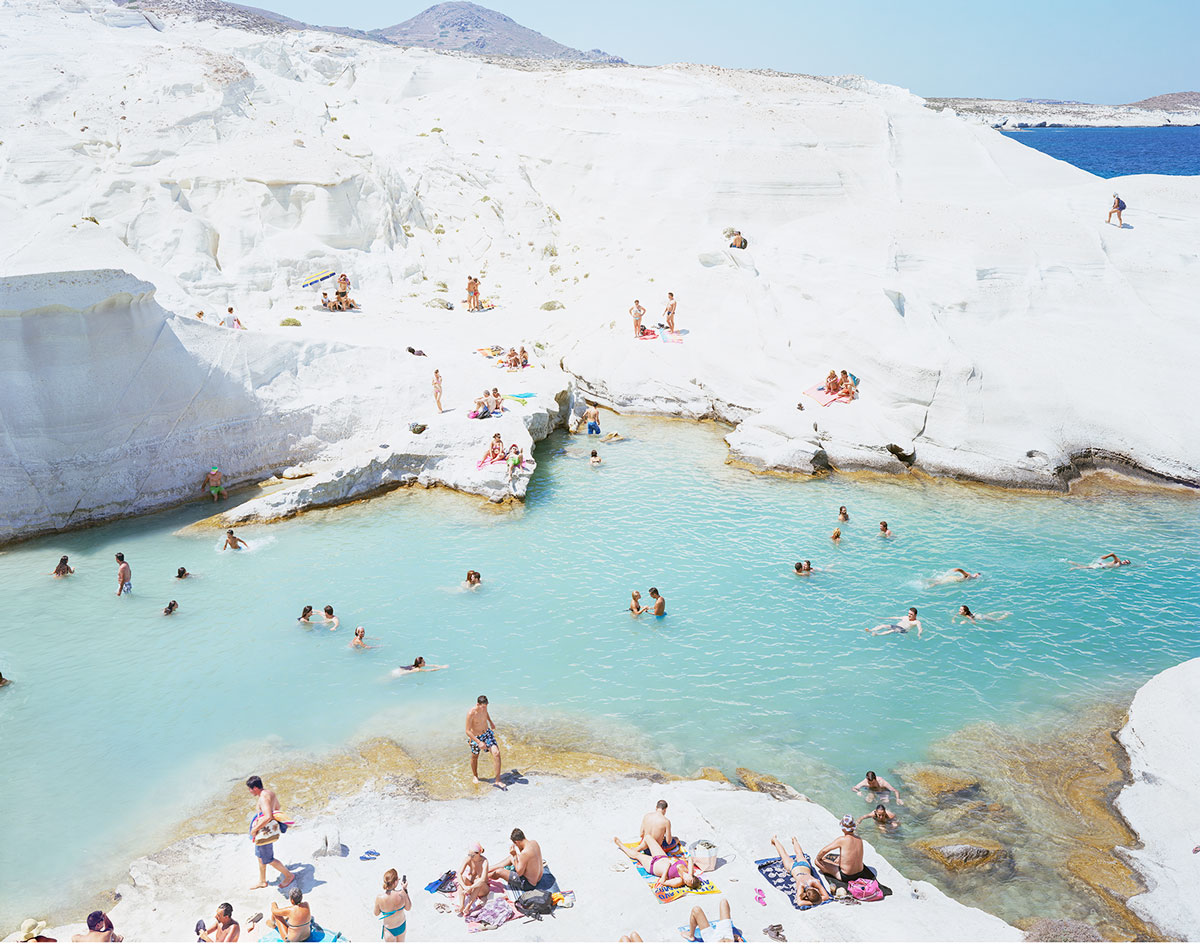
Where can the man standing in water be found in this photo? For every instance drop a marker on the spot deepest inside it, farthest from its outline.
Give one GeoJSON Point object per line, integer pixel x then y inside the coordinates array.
{"type": "Point", "coordinates": [212, 483]}
{"type": "Point", "coordinates": [660, 603]}
{"type": "Point", "coordinates": [479, 736]}
{"type": "Point", "coordinates": [124, 576]}
{"type": "Point", "coordinates": [592, 417]}
{"type": "Point", "coordinates": [265, 823]}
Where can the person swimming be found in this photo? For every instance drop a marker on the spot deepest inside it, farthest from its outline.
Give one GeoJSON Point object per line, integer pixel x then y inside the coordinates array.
{"type": "Point", "coordinates": [182, 573]}
{"type": "Point", "coordinates": [901, 626]}
{"type": "Point", "coordinates": [1111, 560]}
{"type": "Point", "coordinates": [171, 608]}
{"type": "Point", "coordinates": [635, 604]}
{"type": "Point", "coordinates": [233, 542]}
{"type": "Point", "coordinates": [596, 461]}
{"type": "Point", "coordinates": [955, 575]}
{"type": "Point", "coordinates": [804, 568]}
{"type": "Point", "coordinates": [360, 639]}
{"type": "Point", "coordinates": [884, 530]}
{"type": "Point", "coordinates": [330, 618]}
{"type": "Point", "coordinates": [837, 535]}
{"type": "Point", "coordinates": [418, 666]}
{"type": "Point", "coordinates": [306, 615]}
{"type": "Point", "coordinates": [843, 515]}
{"type": "Point", "coordinates": [62, 569]}
{"type": "Point", "coordinates": [474, 579]}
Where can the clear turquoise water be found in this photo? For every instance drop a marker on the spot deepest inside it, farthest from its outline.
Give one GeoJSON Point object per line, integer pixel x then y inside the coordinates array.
{"type": "Point", "coordinates": [121, 719]}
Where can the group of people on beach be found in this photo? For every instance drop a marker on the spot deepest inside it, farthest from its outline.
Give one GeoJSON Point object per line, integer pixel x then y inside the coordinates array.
{"type": "Point", "coordinates": [840, 384]}
{"type": "Point", "coordinates": [228, 320]}
{"type": "Point", "coordinates": [513, 456]}
{"type": "Point", "coordinates": [638, 312]}
{"type": "Point", "coordinates": [341, 301]}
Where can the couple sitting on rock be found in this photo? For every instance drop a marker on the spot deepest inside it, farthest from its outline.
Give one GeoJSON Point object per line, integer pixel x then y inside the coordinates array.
{"type": "Point", "coordinates": [523, 869]}
{"type": "Point", "coordinates": [842, 385]}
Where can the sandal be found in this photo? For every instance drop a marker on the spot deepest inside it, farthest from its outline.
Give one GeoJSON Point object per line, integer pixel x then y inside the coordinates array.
{"type": "Point", "coordinates": [775, 932]}
{"type": "Point", "coordinates": [255, 918]}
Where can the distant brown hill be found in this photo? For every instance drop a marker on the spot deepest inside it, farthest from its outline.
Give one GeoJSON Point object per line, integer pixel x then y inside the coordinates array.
{"type": "Point", "coordinates": [1172, 101]}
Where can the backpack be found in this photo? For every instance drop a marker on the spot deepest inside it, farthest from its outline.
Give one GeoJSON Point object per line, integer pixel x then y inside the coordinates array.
{"type": "Point", "coordinates": [1120, 204]}
{"type": "Point", "coordinates": [865, 890]}
{"type": "Point", "coordinates": [536, 903]}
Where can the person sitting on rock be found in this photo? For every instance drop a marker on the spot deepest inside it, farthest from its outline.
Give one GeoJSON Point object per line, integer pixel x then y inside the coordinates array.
{"type": "Point", "coordinates": [472, 880]}
{"type": "Point", "coordinates": [846, 387]}
{"type": "Point", "coordinates": [842, 858]}
{"type": "Point", "coordinates": [739, 241]}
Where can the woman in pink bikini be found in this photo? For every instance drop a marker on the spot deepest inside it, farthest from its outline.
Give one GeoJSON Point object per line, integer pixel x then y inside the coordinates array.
{"type": "Point", "coordinates": [671, 871]}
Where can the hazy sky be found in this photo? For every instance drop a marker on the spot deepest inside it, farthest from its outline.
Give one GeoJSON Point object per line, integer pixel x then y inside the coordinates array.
{"type": "Point", "coordinates": [1091, 50]}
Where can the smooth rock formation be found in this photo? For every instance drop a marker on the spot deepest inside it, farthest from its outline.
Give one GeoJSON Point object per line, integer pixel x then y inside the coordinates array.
{"type": "Point", "coordinates": [963, 853]}
{"type": "Point", "coordinates": [1160, 738]}
{"type": "Point", "coordinates": [574, 822]}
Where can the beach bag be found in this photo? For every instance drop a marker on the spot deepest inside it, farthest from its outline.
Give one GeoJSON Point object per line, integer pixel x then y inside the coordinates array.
{"type": "Point", "coordinates": [537, 903]}
{"type": "Point", "coordinates": [1120, 204]}
{"type": "Point", "coordinates": [704, 855]}
{"type": "Point", "coordinates": [865, 890]}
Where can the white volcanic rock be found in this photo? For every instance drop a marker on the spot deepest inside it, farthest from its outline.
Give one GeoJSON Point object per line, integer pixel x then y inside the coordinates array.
{"type": "Point", "coordinates": [1001, 331]}
{"type": "Point", "coordinates": [1160, 738]}
{"type": "Point", "coordinates": [574, 822]}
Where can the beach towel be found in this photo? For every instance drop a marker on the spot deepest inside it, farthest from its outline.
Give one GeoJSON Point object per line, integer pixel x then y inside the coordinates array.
{"type": "Point", "coordinates": [674, 337]}
{"type": "Point", "coordinates": [318, 935]}
{"type": "Point", "coordinates": [496, 912]}
{"type": "Point", "coordinates": [667, 894]}
{"type": "Point", "coordinates": [648, 334]}
{"type": "Point", "coordinates": [781, 879]}
{"type": "Point", "coordinates": [737, 934]}
{"type": "Point", "coordinates": [817, 393]}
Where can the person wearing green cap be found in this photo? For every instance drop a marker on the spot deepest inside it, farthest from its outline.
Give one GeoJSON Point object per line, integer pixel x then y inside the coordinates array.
{"type": "Point", "coordinates": [212, 483]}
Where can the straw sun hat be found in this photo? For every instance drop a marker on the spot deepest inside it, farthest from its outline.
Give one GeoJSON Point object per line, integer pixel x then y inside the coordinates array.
{"type": "Point", "coordinates": [31, 929]}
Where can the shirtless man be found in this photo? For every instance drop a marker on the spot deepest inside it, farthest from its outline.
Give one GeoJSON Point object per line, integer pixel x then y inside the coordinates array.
{"type": "Point", "coordinates": [419, 666]}
{"type": "Point", "coordinates": [637, 311]}
{"type": "Point", "coordinates": [901, 626]}
{"type": "Point", "coordinates": [961, 574]}
{"type": "Point", "coordinates": [1111, 560]}
{"type": "Point", "coordinates": [472, 880]}
{"type": "Point", "coordinates": [100, 930]}
{"type": "Point", "coordinates": [233, 542]}
{"type": "Point", "coordinates": [481, 736]}
{"type": "Point", "coordinates": [876, 786]}
{"type": "Point", "coordinates": [884, 530]}
{"type": "Point", "coordinates": [660, 603]}
{"type": "Point", "coordinates": [883, 817]}
{"type": "Point", "coordinates": [268, 804]}
{"type": "Point", "coordinates": [669, 312]}
{"type": "Point", "coordinates": [656, 825]}
{"type": "Point", "coordinates": [592, 417]}
{"type": "Point", "coordinates": [739, 241]}
{"type": "Point", "coordinates": [226, 929]}
{"type": "Point", "coordinates": [212, 483]}
{"type": "Point", "coordinates": [331, 618]}
{"type": "Point", "coordinates": [842, 859]}
{"type": "Point", "coordinates": [523, 866]}
{"type": "Point", "coordinates": [124, 576]}
{"type": "Point", "coordinates": [294, 923]}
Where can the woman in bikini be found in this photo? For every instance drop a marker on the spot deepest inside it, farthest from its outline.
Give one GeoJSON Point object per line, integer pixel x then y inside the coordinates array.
{"type": "Point", "coordinates": [846, 387]}
{"type": "Point", "coordinates": [390, 907]}
{"type": "Point", "coordinates": [294, 924]}
{"type": "Point", "coordinates": [831, 383]}
{"type": "Point", "coordinates": [808, 886]}
{"type": "Point", "coordinates": [62, 569]}
{"type": "Point", "coordinates": [437, 389]}
{"type": "Point", "coordinates": [306, 615]}
{"type": "Point", "coordinates": [671, 871]}
{"type": "Point", "coordinates": [472, 880]}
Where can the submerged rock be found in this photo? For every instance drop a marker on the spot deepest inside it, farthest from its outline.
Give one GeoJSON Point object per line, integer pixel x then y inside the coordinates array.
{"type": "Point", "coordinates": [768, 784]}
{"type": "Point", "coordinates": [963, 853]}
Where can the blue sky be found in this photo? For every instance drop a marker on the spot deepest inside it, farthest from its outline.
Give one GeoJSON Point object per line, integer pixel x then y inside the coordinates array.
{"type": "Point", "coordinates": [1097, 51]}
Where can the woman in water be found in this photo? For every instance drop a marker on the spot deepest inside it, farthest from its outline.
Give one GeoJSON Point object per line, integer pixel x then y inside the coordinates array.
{"type": "Point", "coordinates": [837, 535]}
{"type": "Point", "coordinates": [419, 666]}
{"type": "Point", "coordinates": [966, 614]}
{"type": "Point", "coordinates": [635, 605]}
{"type": "Point", "coordinates": [804, 568]}
{"type": "Point", "coordinates": [595, 459]}
{"type": "Point", "coordinates": [306, 615]}
{"type": "Point", "coordinates": [884, 530]}
{"type": "Point", "coordinates": [887, 820]}
{"type": "Point", "coordinates": [182, 573]}
{"type": "Point", "coordinates": [360, 639]}
{"type": "Point", "coordinates": [390, 907]}
{"type": "Point", "coordinates": [671, 871]}
{"type": "Point", "coordinates": [62, 569]}
{"type": "Point", "coordinates": [843, 515]}
{"type": "Point", "coordinates": [171, 608]}
{"type": "Point", "coordinates": [473, 579]}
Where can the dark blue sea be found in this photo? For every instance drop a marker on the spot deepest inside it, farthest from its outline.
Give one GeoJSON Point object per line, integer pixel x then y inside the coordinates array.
{"type": "Point", "coordinates": [1112, 152]}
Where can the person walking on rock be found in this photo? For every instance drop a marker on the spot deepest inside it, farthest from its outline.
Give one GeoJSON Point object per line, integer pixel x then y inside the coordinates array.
{"type": "Point", "coordinates": [1118, 206]}
{"type": "Point", "coordinates": [266, 824]}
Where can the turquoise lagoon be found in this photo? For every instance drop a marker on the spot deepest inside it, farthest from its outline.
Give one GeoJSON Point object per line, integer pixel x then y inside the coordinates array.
{"type": "Point", "coordinates": [123, 721]}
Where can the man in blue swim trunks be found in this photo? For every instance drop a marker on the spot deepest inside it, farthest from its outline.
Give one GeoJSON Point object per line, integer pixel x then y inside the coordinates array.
{"type": "Point", "coordinates": [265, 816]}
{"type": "Point", "coordinates": [592, 416]}
{"type": "Point", "coordinates": [480, 736]}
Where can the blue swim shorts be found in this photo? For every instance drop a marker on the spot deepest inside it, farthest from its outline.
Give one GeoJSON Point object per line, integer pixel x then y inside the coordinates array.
{"type": "Point", "coordinates": [593, 427]}
{"type": "Point", "coordinates": [265, 852]}
{"type": "Point", "coordinates": [487, 737]}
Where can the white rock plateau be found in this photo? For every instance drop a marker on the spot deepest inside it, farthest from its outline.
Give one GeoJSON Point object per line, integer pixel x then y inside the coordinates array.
{"type": "Point", "coordinates": [1000, 329]}
{"type": "Point", "coordinates": [574, 822]}
{"type": "Point", "coordinates": [1160, 738]}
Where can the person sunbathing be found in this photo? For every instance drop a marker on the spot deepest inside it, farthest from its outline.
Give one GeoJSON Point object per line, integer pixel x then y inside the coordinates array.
{"type": "Point", "coordinates": [842, 858]}
{"type": "Point", "coordinates": [719, 932]}
{"type": "Point", "coordinates": [483, 405]}
{"type": "Point", "coordinates": [524, 358]}
{"type": "Point", "coordinates": [808, 886]}
{"type": "Point", "coordinates": [883, 817]}
{"type": "Point", "coordinates": [495, 451]}
{"type": "Point", "coordinates": [523, 868]}
{"type": "Point", "coordinates": [846, 387]}
{"type": "Point", "coordinates": [294, 923]}
{"type": "Point", "coordinates": [831, 384]}
{"type": "Point", "coordinates": [671, 871]}
{"type": "Point", "coordinates": [472, 880]}
{"type": "Point", "coordinates": [515, 459]}
{"type": "Point", "coordinates": [512, 360]}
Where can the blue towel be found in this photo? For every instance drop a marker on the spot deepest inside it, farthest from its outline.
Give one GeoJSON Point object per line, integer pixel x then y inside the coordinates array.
{"type": "Point", "coordinates": [781, 879]}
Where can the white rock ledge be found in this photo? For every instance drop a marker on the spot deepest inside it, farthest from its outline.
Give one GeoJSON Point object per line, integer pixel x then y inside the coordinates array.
{"type": "Point", "coordinates": [1161, 738]}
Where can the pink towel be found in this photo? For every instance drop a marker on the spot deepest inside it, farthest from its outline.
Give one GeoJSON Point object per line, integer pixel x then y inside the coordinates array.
{"type": "Point", "coordinates": [817, 393]}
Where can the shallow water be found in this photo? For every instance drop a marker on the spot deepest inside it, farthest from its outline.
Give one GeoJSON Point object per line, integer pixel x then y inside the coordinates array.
{"type": "Point", "coordinates": [121, 719]}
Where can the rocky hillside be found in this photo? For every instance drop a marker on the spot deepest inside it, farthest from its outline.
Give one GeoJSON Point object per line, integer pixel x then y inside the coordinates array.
{"type": "Point", "coordinates": [1172, 100]}
{"type": "Point", "coordinates": [471, 28]}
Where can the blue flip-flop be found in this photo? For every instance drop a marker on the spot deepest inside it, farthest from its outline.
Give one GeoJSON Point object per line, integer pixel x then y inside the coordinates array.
{"type": "Point", "coordinates": [368, 855]}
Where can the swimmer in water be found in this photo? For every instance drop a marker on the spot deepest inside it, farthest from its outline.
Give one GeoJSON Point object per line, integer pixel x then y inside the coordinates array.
{"type": "Point", "coordinates": [62, 569]}
{"type": "Point", "coordinates": [660, 603]}
{"type": "Point", "coordinates": [596, 461]}
{"type": "Point", "coordinates": [1111, 560]}
{"type": "Point", "coordinates": [966, 614]}
{"type": "Point", "coordinates": [837, 535]}
{"type": "Point", "coordinates": [474, 579]}
{"type": "Point", "coordinates": [877, 786]}
{"type": "Point", "coordinates": [171, 608]}
{"type": "Point", "coordinates": [901, 626]}
{"type": "Point", "coordinates": [884, 530]}
{"type": "Point", "coordinates": [635, 604]}
{"type": "Point", "coordinates": [886, 820]}
{"type": "Point", "coordinates": [182, 573]}
{"type": "Point", "coordinates": [4, 681]}
{"type": "Point", "coordinates": [843, 515]}
{"type": "Point", "coordinates": [360, 639]}
{"type": "Point", "coordinates": [804, 568]}
{"type": "Point", "coordinates": [233, 542]}
{"type": "Point", "coordinates": [955, 575]}
{"type": "Point", "coordinates": [329, 617]}
{"type": "Point", "coordinates": [306, 615]}
{"type": "Point", "coordinates": [419, 666]}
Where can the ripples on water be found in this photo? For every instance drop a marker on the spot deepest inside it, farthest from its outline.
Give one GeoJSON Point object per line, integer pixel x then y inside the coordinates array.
{"type": "Point", "coordinates": [752, 666]}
